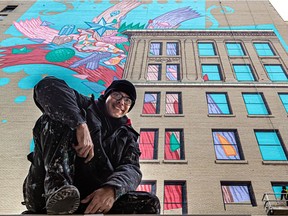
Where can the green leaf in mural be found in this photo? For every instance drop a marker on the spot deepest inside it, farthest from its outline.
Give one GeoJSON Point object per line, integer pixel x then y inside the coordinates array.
{"type": "Point", "coordinates": [60, 55]}
{"type": "Point", "coordinates": [174, 144]}
{"type": "Point", "coordinates": [125, 27]}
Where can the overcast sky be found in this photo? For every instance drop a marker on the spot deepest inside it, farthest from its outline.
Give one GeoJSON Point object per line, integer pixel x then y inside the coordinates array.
{"type": "Point", "coordinates": [282, 7]}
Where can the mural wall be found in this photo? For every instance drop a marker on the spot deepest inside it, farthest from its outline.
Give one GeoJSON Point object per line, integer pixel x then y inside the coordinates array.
{"type": "Point", "coordinates": [83, 43]}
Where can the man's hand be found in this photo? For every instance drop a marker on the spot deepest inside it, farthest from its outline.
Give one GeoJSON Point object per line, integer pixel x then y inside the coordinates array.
{"type": "Point", "coordinates": [101, 200]}
{"type": "Point", "coordinates": [85, 147]}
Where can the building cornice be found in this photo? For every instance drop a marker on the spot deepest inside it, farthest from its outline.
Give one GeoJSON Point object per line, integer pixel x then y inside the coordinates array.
{"type": "Point", "coordinates": [187, 33]}
{"type": "Point", "coordinates": [207, 85]}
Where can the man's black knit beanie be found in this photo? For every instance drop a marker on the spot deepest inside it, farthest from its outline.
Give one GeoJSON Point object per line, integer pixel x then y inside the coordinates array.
{"type": "Point", "coordinates": [122, 86]}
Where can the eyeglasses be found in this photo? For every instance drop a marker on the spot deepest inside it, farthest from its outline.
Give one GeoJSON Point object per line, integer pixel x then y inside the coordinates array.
{"type": "Point", "coordinates": [118, 96]}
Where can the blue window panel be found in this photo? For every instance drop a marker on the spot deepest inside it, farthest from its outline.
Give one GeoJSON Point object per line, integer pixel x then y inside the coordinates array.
{"type": "Point", "coordinates": [263, 49]}
{"type": "Point", "coordinates": [255, 104]}
{"type": "Point", "coordinates": [206, 49]}
{"type": "Point", "coordinates": [243, 73]}
{"type": "Point", "coordinates": [267, 138]}
{"type": "Point", "coordinates": [225, 145]}
{"type": "Point", "coordinates": [217, 103]}
{"type": "Point", "coordinates": [284, 99]}
{"type": "Point", "coordinates": [155, 48]}
{"type": "Point", "coordinates": [172, 49]}
{"type": "Point", "coordinates": [212, 72]}
{"type": "Point", "coordinates": [276, 73]}
{"type": "Point", "coordinates": [272, 153]}
{"type": "Point", "coordinates": [235, 49]}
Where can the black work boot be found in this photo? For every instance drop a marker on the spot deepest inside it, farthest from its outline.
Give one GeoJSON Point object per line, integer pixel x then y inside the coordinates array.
{"type": "Point", "coordinates": [65, 200]}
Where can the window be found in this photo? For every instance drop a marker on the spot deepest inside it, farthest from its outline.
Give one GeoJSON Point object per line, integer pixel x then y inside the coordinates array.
{"type": "Point", "coordinates": [172, 72]}
{"type": "Point", "coordinates": [218, 103]}
{"type": "Point", "coordinates": [255, 104]}
{"type": "Point", "coordinates": [148, 143]}
{"type": "Point", "coordinates": [211, 72]}
{"type": "Point", "coordinates": [175, 200]}
{"type": "Point", "coordinates": [151, 103]}
{"type": "Point", "coordinates": [235, 49]}
{"type": "Point", "coordinates": [8, 8]}
{"type": "Point", "coordinates": [227, 145]}
{"type": "Point", "coordinates": [174, 146]}
{"type": "Point", "coordinates": [284, 99]}
{"type": "Point", "coordinates": [155, 48]}
{"type": "Point", "coordinates": [238, 193]}
{"type": "Point", "coordinates": [277, 189]}
{"type": "Point", "coordinates": [270, 145]}
{"type": "Point", "coordinates": [154, 72]}
{"type": "Point", "coordinates": [276, 73]}
{"type": "Point", "coordinates": [172, 49]}
{"type": "Point", "coordinates": [264, 49]}
{"type": "Point", "coordinates": [173, 103]}
{"type": "Point", "coordinates": [148, 186]}
{"type": "Point", "coordinates": [3, 16]}
{"type": "Point", "coordinates": [206, 49]}
{"type": "Point", "coordinates": [243, 72]}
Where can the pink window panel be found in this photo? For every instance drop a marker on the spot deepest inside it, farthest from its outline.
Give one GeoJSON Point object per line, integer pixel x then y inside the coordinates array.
{"type": "Point", "coordinates": [144, 187]}
{"type": "Point", "coordinates": [172, 103]}
{"type": "Point", "coordinates": [150, 103]}
{"type": "Point", "coordinates": [146, 143]}
{"type": "Point", "coordinates": [172, 197]}
{"type": "Point", "coordinates": [172, 145]}
{"type": "Point", "coordinates": [153, 72]}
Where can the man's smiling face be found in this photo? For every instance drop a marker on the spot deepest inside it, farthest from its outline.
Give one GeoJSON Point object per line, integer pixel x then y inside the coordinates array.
{"type": "Point", "coordinates": [117, 108]}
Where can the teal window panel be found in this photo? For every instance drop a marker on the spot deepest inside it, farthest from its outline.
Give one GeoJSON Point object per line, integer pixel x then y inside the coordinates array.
{"type": "Point", "coordinates": [206, 49]}
{"type": "Point", "coordinates": [235, 49]}
{"type": "Point", "coordinates": [270, 146]}
{"type": "Point", "coordinates": [267, 138]}
{"type": "Point", "coordinates": [264, 49]}
{"type": "Point", "coordinates": [255, 104]}
{"type": "Point", "coordinates": [284, 100]}
{"type": "Point", "coordinates": [276, 73]}
{"type": "Point", "coordinates": [272, 153]}
{"type": "Point", "coordinates": [211, 72]}
{"type": "Point", "coordinates": [243, 73]}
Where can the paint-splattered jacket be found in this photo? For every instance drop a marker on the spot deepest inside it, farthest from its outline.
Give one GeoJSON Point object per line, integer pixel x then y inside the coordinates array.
{"type": "Point", "coordinates": [116, 160]}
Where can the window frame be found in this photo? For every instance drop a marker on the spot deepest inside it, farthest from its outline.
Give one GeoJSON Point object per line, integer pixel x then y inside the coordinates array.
{"type": "Point", "coordinates": [159, 72]}
{"type": "Point", "coordinates": [158, 95]}
{"type": "Point", "coordinates": [183, 185]}
{"type": "Point", "coordinates": [270, 73]}
{"type": "Point", "coordinates": [237, 144]}
{"type": "Point", "coordinates": [155, 144]}
{"type": "Point", "coordinates": [281, 143]}
{"type": "Point", "coordinates": [265, 104]}
{"type": "Point", "coordinates": [181, 137]}
{"type": "Point", "coordinates": [258, 50]}
{"type": "Point", "coordinates": [177, 48]}
{"type": "Point", "coordinates": [178, 72]}
{"type": "Point", "coordinates": [219, 72]}
{"type": "Point", "coordinates": [286, 94]}
{"type": "Point", "coordinates": [212, 49]}
{"type": "Point", "coordinates": [227, 102]}
{"type": "Point", "coordinates": [180, 105]}
{"type": "Point", "coordinates": [229, 50]}
{"type": "Point", "coordinates": [160, 49]}
{"type": "Point", "coordinates": [249, 73]}
{"type": "Point", "coordinates": [9, 9]}
{"type": "Point", "coordinates": [150, 182]}
{"type": "Point", "coordinates": [240, 183]}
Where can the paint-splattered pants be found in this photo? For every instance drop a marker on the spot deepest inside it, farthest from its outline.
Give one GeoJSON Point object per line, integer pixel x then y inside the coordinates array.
{"type": "Point", "coordinates": [52, 166]}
